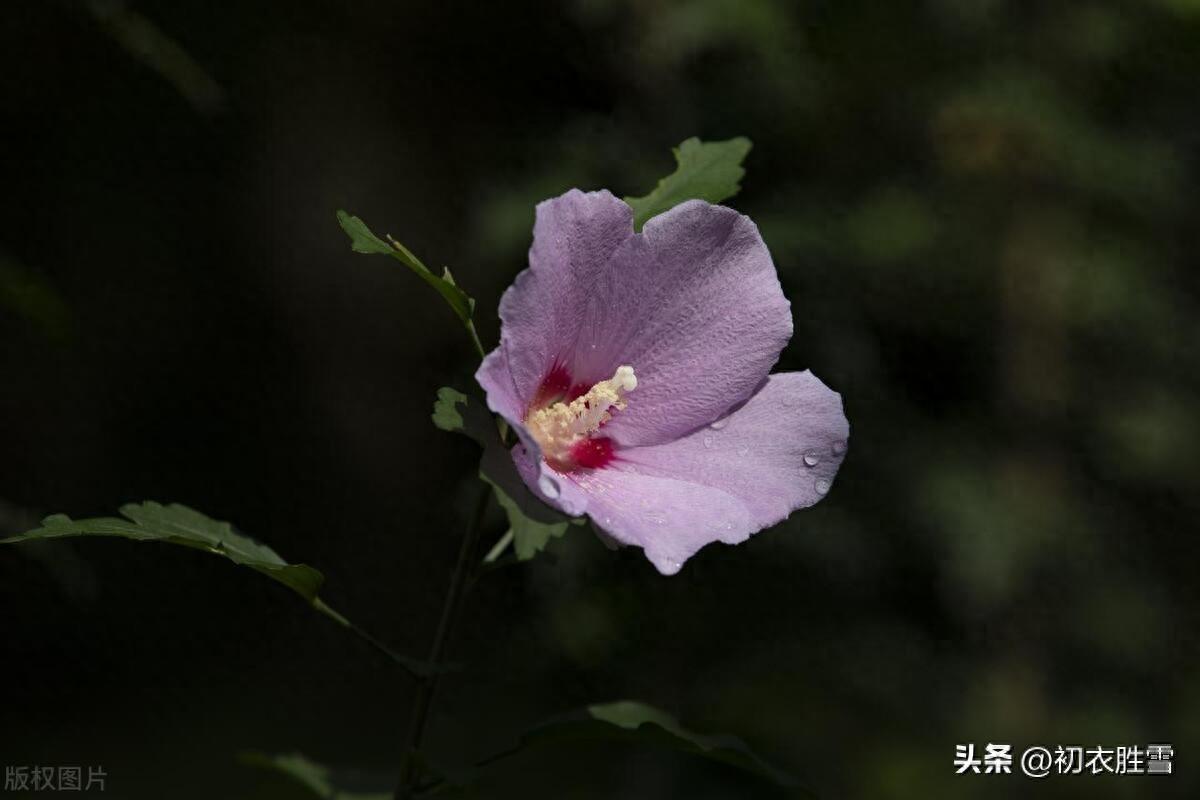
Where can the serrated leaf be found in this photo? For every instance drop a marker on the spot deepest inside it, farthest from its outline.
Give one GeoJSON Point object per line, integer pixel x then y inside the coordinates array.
{"type": "Point", "coordinates": [641, 724]}
{"type": "Point", "coordinates": [178, 524]}
{"type": "Point", "coordinates": [530, 535]}
{"type": "Point", "coordinates": [320, 781]}
{"type": "Point", "coordinates": [446, 412]}
{"type": "Point", "coordinates": [362, 240]}
{"type": "Point", "coordinates": [533, 523]}
{"type": "Point", "coordinates": [709, 171]}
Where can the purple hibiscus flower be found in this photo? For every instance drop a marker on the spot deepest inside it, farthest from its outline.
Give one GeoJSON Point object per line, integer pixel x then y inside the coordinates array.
{"type": "Point", "coordinates": [634, 369]}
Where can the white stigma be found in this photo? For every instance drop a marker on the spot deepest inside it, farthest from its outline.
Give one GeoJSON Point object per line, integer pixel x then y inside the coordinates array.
{"type": "Point", "coordinates": [560, 426]}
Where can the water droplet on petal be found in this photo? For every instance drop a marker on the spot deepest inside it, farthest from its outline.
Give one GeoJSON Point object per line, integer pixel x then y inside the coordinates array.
{"type": "Point", "coordinates": [822, 487]}
{"type": "Point", "coordinates": [548, 487]}
{"type": "Point", "coordinates": [838, 447]}
{"type": "Point", "coordinates": [708, 441]}
{"type": "Point", "coordinates": [721, 423]}
{"type": "Point", "coordinates": [811, 458]}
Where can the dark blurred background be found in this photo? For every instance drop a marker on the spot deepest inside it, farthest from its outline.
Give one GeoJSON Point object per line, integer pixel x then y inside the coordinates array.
{"type": "Point", "coordinates": [984, 212]}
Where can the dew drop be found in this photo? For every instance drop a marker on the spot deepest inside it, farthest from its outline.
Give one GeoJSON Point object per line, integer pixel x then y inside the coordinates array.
{"type": "Point", "coordinates": [708, 441]}
{"type": "Point", "coordinates": [838, 447]}
{"type": "Point", "coordinates": [721, 423]}
{"type": "Point", "coordinates": [548, 486]}
{"type": "Point", "coordinates": [822, 487]}
{"type": "Point", "coordinates": [811, 459]}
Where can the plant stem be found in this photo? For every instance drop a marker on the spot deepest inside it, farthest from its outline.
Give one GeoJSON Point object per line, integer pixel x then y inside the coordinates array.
{"type": "Point", "coordinates": [499, 548]}
{"type": "Point", "coordinates": [428, 684]}
{"type": "Point", "coordinates": [413, 667]}
{"type": "Point", "coordinates": [475, 339]}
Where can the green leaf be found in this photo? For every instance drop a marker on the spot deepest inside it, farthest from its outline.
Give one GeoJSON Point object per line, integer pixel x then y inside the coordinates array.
{"type": "Point", "coordinates": [641, 724]}
{"type": "Point", "coordinates": [321, 781]}
{"type": "Point", "coordinates": [178, 524]}
{"type": "Point", "coordinates": [533, 523]}
{"type": "Point", "coordinates": [26, 293]}
{"type": "Point", "coordinates": [446, 413]}
{"type": "Point", "coordinates": [181, 525]}
{"type": "Point", "coordinates": [362, 240]}
{"type": "Point", "coordinates": [530, 534]}
{"type": "Point", "coordinates": [709, 171]}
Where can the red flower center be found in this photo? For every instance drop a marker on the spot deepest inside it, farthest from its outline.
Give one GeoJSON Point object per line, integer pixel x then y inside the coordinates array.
{"type": "Point", "coordinates": [564, 418]}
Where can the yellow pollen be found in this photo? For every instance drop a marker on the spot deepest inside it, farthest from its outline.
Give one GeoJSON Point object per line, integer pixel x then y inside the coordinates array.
{"type": "Point", "coordinates": [558, 427]}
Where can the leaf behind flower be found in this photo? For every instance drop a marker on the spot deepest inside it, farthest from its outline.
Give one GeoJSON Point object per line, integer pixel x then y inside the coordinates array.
{"type": "Point", "coordinates": [709, 171]}
{"type": "Point", "coordinates": [533, 522]}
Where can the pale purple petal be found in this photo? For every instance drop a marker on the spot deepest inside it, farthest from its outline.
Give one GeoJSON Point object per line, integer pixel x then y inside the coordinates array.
{"type": "Point", "coordinates": [708, 448]}
{"type": "Point", "coordinates": [777, 453]}
{"type": "Point", "coordinates": [551, 487]}
{"type": "Point", "coordinates": [496, 379]}
{"type": "Point", "coordinates": [574, 237]}
{"type": "Point", "coordinates": [693, 304]}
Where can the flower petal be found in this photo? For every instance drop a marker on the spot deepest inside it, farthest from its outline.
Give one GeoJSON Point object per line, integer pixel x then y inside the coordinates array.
{"type": "Point", "coordinates": [777, 453]}
{"type": "Point", "coordinates": [574, 237]}
{"type": "Point", "coordinates": [694, 305]}
{"type": "Point", "coordinates": [551, 487]}
{"type": "Point", "coordinates": [496, 379]}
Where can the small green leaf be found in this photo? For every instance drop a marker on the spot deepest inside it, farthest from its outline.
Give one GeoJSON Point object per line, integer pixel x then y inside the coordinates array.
{"type": "Point", "coordinates": [533, 523]}
{"type": "Point", "coordinates": [641, 724]}
{"type": "Point", "coordinates": [446, 414]}
{"type": "Point", "coordinates": [362, 240]}
{"type": "Point", "coordinates": [709, 171]}
{"type": "Point", "coordinates": [181, 525]}
{"type": "Point", "coordinates": [320, 781]}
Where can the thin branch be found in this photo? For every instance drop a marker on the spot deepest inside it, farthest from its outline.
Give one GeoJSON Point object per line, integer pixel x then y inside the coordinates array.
{"type": "Point", "coordinates": [428, 686]}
